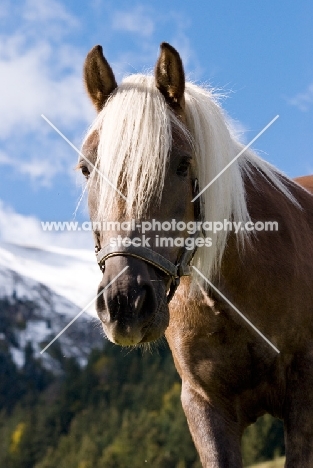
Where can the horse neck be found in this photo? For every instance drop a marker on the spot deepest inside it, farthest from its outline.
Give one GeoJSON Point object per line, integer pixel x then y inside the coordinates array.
{"type": "Point", "coordinates": [269, 280]}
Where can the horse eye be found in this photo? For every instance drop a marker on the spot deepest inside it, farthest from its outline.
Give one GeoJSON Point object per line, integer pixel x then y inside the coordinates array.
{"type": "Point", "coordinates": [183, 167]}
{"type": "Point", "coordinates": [85, 171]}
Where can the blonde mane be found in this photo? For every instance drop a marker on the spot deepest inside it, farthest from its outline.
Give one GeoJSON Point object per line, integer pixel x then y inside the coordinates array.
{"type": "Point", "coordinates": [135, 138]}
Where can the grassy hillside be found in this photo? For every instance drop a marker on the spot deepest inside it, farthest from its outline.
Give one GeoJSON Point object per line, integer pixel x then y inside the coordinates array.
{"type": "Point", "coordinates": [278, 463]}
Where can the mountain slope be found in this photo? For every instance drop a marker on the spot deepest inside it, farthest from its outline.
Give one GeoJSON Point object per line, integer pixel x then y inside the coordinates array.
{"type": "Point", "coordinates": [72, 273]}
{"type": "Point", "coordinates": [34, 311]}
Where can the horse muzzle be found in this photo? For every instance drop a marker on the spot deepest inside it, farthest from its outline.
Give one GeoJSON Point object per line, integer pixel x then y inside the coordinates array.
{"type": "Point", "coordinates": [132, 310]}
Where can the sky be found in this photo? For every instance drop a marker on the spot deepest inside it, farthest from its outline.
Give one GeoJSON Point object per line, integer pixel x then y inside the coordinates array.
{"type": "Point", "coordinates": [258, 54]}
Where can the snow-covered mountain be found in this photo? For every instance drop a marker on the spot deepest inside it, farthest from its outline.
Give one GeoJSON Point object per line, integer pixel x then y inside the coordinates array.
{"type": "Point", "coordinates": [72, 273]}
{"type": "Point", "coordinates": [41, 291]}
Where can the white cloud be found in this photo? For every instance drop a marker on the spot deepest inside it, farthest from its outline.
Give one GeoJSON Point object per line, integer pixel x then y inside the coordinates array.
{"type": "Point", "coordinates": [4, 159]}
{"type": "Point", "coordinates": [303, 101]}
{"type": "Point", "coordinates": [41, 156]}
{"type": "Point", "coordinates": [39, 69]}
{"type": "Point", "coordinates": [39, 170]}
{"type": "Point", "coordinates": [137, 21]}
{"type": "Point", "coordinates": [31, 87]}
{"type": "Point", "coordinates": [41, 73]}
{"type": "Point", "coordinates": [27, 230]}
{"type": "Point", "coordinates": [47, 12]}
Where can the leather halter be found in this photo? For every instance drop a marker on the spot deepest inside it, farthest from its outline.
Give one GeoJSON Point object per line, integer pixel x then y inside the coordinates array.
{"type": "Point", "coordinates": [173, 270]}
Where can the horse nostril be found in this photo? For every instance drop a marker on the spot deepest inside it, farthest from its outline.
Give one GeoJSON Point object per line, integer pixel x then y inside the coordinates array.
{"type": "Point", "coordinates": [140, 299]}
{"type": "Point", "coordinates": [135, 303]}
{"type": "Point", "coordinates": [145, 302]}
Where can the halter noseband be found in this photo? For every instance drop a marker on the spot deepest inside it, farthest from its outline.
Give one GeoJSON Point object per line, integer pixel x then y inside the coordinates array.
{"type": "Point", "coordinates": [174, 270]}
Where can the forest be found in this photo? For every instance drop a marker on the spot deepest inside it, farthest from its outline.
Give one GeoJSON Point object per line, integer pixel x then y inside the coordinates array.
{"type": "Point", "coordinates": [122, 409]}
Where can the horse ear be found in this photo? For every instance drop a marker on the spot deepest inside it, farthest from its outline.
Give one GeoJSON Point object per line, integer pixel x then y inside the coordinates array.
{"type": "Point", "coordinates": [170, 77]}
{"type": "Point", "coordinates": [99, 78]}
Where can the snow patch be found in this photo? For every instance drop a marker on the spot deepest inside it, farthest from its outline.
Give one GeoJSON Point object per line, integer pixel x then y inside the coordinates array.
{"type": "Point", "coordinates": [72, 273]}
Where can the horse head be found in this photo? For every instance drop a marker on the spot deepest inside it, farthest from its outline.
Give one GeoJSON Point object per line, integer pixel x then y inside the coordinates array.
{"type": "Point", "coordinates": [138, 160]}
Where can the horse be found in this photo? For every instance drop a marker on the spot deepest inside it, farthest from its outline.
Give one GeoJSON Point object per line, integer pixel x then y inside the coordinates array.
{"type": "Point", "coordinates": [234, 300]}
{"type": "Point", "coordinates": [306, 182]}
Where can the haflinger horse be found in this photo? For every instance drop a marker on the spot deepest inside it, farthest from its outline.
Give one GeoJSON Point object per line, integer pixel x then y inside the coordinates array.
{"type": "Point", "coordinates": [155, 145]}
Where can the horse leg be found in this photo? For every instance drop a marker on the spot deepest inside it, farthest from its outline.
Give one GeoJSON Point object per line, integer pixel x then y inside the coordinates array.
{"type": "Point", "coordinates": [216, 437]}
{"type": "Point", "coordinates": [299, 413]}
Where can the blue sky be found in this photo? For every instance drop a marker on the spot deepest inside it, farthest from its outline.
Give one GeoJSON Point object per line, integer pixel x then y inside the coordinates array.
{"type": "Point", "coordinates": [258, 53]}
